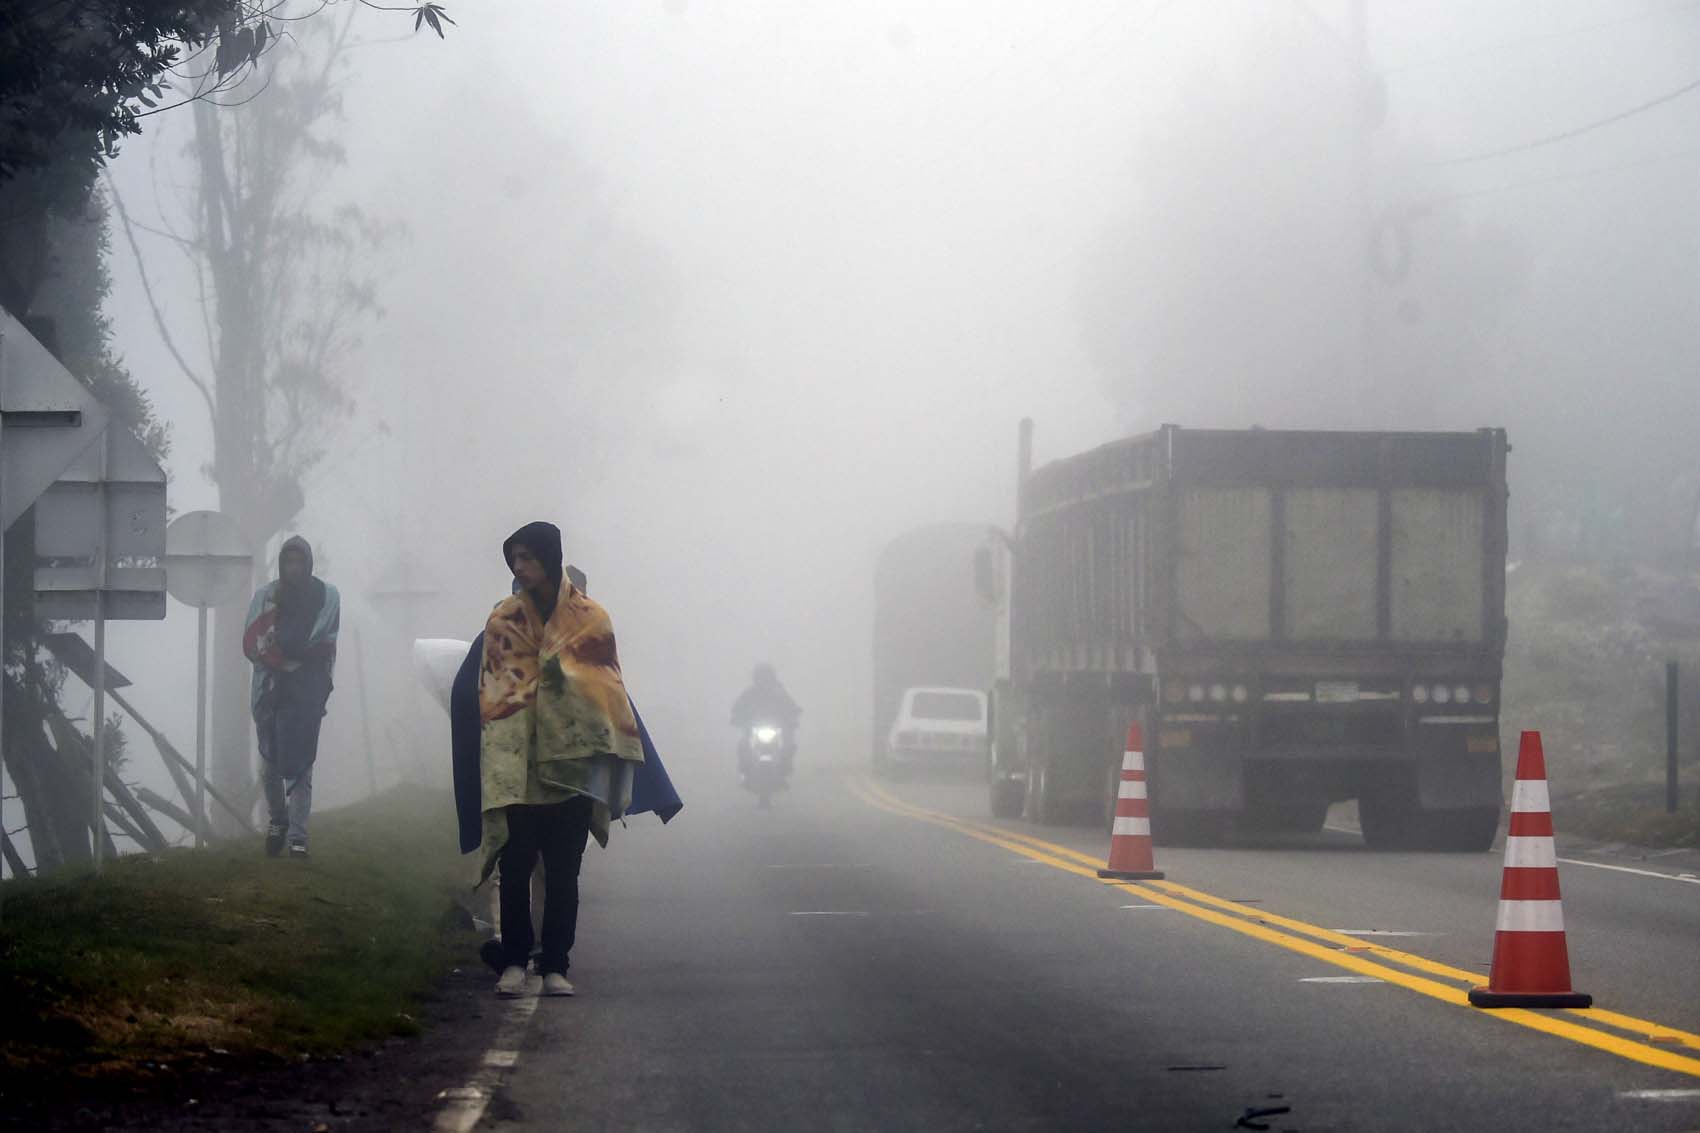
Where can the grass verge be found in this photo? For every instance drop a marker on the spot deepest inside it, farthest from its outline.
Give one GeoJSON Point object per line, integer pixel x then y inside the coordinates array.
{"type": "Point", "coordinates": [166, 960]}
{"type": "Point", "coordinates": [1633, 813]}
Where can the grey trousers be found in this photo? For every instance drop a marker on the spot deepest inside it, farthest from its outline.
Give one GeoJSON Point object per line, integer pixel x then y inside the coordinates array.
{"type": "Point", "coordinates": [289, 802]}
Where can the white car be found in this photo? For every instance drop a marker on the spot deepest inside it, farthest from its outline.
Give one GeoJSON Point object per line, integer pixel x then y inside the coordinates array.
{"type": "Point", "coordinates": [946, 726]}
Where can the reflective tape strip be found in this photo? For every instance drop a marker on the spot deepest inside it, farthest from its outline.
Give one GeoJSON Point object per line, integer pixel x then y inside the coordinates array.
{"type": "Point", "coordinates": [1530, 796]}
{"type": "Point", "coordinates": [1530, 853]}
{"type": "Point", "coordinates": [1131, 826]}
{"type": "Point", "coordinates": [1132, 789]}
{"type": "Point", "coordinates": [1133, 761]}
{"type": "Point", "coordinates": [1530, 916]}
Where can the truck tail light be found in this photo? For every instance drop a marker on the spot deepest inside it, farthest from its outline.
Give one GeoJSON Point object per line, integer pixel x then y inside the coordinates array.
{"type": "Point", "coordinates": [1484, 694]}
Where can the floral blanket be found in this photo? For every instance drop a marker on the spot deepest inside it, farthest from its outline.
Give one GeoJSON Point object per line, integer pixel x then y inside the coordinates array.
{"type": "Point", "coordinates": [555, 717]}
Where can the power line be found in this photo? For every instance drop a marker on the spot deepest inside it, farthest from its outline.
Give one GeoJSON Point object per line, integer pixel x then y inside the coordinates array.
{"type": "Point", "coordinates": [1578, 131]}
{"type": "Point", "coordinates": [1558, 179]}
{"type": "Point", "coordinates": [1566, 33]}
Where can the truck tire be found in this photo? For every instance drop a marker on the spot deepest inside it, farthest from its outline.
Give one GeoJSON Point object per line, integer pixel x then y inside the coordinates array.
{"type": "Point", "coordinates": [1191, 828]}
{"type": "Point", "coordinates": [1466, 831]}
{"type": "Point", "coordinates": [1287, 818]}
{"type": "Point", "coordinates": [1009, 796]}
{"type": "Point", "coordinates": [1043, 805]}
{"type": "Point", "coordinates": [1390, 821]}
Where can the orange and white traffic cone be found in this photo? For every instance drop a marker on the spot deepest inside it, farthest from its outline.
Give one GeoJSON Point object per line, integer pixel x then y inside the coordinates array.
{"type": "Point", "coordinates": [1130, 837]}
{"type": "Point", "coordinates": [1531, 965]}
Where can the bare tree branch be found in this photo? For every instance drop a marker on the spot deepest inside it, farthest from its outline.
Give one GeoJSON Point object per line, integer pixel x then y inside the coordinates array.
{"type": "Point", "coordinates": [153, 303]}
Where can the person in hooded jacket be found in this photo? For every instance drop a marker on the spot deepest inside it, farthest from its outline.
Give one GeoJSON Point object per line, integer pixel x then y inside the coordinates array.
{"type": "Point", "coordinates": [291, 642]}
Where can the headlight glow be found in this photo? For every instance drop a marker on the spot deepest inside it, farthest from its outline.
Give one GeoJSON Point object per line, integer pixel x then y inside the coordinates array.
{"type": "Point", "coordinates": [1442, 694]}
{"type": "Point", "coordinates": [1419, 693]}
{"type": "Point", "coordinates": [1461, 694]}
{"type": "Point", "coordinates": [766, 735]}
{"type": "Point", "coordinates": [1218, 693]}
{"type": "Point", "coordinates": [1195, 693]}
{"type": "Point", "coordinates": [1240, 694]}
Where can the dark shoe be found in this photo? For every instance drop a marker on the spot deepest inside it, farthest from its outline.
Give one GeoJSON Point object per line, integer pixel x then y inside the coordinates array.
{"type": "Point", "coordinates": [298, 852]}
{"type": "Point", "coordinates": [491, 953]}
{"type": "Point", "coordinates": [274, 843]}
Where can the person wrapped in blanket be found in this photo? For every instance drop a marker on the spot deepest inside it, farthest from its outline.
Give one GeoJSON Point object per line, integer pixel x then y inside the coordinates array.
{"type": "Point", "coordinates": [291, 642]}
{"type": "Point", "coordinates": [559, 745]}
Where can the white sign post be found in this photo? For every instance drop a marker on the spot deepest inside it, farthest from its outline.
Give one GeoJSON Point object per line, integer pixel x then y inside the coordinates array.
{"type": "Point", "coordinates": [207, 564]}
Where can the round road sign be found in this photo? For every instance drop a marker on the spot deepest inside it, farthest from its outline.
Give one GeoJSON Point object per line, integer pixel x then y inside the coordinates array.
{"type": "Point", "coordinates": [207, 561]}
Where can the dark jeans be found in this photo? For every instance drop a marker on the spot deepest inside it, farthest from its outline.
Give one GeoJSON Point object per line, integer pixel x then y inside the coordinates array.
{"type": "Point", "coordinates": [558, 832]}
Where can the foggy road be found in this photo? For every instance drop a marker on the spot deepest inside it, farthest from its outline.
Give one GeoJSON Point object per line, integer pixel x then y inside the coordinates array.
{"type": "Point", "coordinates": [871, 955]}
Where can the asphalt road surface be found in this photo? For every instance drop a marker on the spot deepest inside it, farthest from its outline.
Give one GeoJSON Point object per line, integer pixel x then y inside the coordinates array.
{"type": "Point", "coordinates": [871, 955]}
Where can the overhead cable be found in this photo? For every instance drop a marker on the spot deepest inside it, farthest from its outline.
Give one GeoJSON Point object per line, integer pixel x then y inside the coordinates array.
{"type": "Point", "coordinates": [1578, 131]}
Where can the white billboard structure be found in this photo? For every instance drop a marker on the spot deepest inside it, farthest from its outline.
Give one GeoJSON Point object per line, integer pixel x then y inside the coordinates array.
{"type": "Point", "coordinates": [100, 523]}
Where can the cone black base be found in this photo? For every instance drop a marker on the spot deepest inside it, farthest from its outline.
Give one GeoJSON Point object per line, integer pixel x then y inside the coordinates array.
{"type": "Point", "coordinates": [1482, 997]}
{"type": "Point", "coordinates": [1131, 874]}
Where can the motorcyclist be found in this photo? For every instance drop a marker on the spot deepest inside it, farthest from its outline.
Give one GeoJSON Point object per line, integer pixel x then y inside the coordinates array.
{"type": "Point", "coordinates": [766, 702]}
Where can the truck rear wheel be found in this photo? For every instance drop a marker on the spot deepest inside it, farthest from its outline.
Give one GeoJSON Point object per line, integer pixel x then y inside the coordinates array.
{"type": "Point", "coordinates": [1287, 818]}
{"type": "Point", "coordinates": [1043, 802]}
{"type": "Point", "coordinates": [1389, 821]}
{"type": "Point", "coordinates": [1191, 827]}
{"type": "Point", "coordinates": [1008, 797]}
{"type": "Point", "coordinates": [1468, 830]}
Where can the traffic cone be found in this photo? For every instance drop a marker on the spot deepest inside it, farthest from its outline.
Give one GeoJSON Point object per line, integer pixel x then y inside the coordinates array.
{"type": "Point", "coordinates": [1531, 965]}
{"type": "Point", "coordinates": [1130, 837]}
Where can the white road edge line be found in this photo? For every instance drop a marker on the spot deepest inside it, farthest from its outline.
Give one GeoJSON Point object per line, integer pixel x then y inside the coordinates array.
{"type": "Point", "coordinates": [1686, 877]}
{"type": "Point", "coordinates": [1145, 907]}
{"type": "Point", "coordinates": [1661, 1095]}
{"type": "Point", "coordinates": [831, 913]}
{"type": "Point", "coordinates": [464, 1106]}
{"type": "Point", "coordinates": [1340, 980]}
{"type": "Point", "coordinates": [1381, 932]}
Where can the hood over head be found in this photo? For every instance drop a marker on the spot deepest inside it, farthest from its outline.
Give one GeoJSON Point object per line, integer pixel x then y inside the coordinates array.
{"type": "Point", "coordinates": [543, 540]}
{"type": "Point", "coordinates": [295, 543]}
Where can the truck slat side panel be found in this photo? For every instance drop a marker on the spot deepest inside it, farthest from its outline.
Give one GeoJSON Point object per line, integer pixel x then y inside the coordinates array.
{"type": "Point", "coordinates": [1101, 566]}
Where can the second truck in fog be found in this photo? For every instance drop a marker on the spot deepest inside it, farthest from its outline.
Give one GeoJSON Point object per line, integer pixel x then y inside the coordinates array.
{"type": "Point", "coordinates": [1296, 618]}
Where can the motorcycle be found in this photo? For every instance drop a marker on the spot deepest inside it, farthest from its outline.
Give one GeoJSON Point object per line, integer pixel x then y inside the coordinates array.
{"type": "Point", "coordinates": [765, 761]}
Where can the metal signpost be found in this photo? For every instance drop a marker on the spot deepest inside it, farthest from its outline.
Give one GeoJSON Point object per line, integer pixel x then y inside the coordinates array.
{"type": "Point", "coordinates": [207, 563]}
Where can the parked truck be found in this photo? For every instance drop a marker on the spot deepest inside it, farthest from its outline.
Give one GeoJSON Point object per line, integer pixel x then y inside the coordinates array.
{"type": "Point", "coordinates": [931, 630]}
{"type": "Point", "coordinates": [1294, 618]}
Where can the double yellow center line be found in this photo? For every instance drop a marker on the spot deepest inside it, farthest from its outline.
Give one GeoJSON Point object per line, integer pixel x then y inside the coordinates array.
{"type": "Point", "coordinates": [1623, 1035]}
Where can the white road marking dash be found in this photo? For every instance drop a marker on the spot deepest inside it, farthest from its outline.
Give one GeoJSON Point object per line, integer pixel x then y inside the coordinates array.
{"type": "Point", "coordinates": [1688, 877]}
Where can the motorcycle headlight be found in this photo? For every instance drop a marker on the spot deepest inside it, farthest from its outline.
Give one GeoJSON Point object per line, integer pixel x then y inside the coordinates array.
{"type": "Point", "coordinates": [766, 735]}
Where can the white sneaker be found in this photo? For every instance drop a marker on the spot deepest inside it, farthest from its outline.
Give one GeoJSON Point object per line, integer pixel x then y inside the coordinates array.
{"type": "Point", "coordinates": [512, 983]}
{"type": "Point", "coordinates": [556, 984]}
